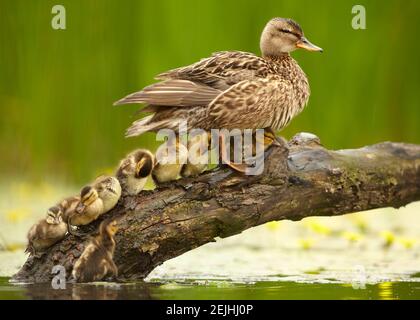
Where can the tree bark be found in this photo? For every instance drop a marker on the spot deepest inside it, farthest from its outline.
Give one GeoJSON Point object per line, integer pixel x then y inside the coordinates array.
{"type": "Point", "coordinates": [300, 181]}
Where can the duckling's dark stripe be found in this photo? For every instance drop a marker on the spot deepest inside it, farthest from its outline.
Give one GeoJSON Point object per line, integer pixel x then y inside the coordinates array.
{"type": "Point", "coordinates": [89, 198]}
{"type": "Point", "coordinates": [146, 169]}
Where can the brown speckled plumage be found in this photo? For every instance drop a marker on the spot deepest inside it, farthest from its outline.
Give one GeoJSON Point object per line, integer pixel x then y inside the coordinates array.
{"type": "Point", "coordinates": [45, 233]}
{"type": "Point", "coordinates": [231, 89]}
{"type": "Point", "coordinates": [96, 262]}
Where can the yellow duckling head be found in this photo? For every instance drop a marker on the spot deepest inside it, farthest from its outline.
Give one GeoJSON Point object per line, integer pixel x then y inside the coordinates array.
{"type": "Point", "coordinates": [145, 162]}
{"type": "Point", "coordinates": [110, 227]}
{"type": "Point", "coordinates": [88, 195]}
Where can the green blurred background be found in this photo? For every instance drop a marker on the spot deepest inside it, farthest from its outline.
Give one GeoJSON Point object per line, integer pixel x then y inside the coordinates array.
{"type": "Point", "coordinates": [57, 86]}
{"type": "Point", "coordinates": [58, 130]}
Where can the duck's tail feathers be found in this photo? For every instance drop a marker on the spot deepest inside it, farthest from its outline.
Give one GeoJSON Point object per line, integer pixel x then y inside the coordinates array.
{"type": "Point", "coordinates": [146, 124]}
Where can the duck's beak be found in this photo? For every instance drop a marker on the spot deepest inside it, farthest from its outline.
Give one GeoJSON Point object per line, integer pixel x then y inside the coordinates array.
{"type": "Point", "coordinates": [307, 45]}
{"type": "Point", "coordinates": [80, 207]}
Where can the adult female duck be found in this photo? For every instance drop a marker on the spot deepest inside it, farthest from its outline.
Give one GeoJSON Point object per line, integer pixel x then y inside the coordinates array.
{"type": "Point", "coordinates": [231, 89]}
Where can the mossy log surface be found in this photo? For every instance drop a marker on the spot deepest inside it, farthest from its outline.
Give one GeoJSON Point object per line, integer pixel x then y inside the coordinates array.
{"type": "Point", "coordinates": [301, 181]}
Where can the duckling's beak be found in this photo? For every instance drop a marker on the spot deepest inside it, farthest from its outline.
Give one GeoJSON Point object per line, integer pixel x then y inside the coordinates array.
{"type": "Point", "coordinates": [50, 220]}
{"type": "Point", "coordinates": [307, 45]}
{"type": "Point", "coordinates": [80, 207]}
{"type": "Point", "coordinates": [114, 229]}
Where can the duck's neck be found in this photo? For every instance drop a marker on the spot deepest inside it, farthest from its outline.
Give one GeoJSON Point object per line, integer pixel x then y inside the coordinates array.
{"type": "Point", "coordinates": [278, 57]}
{"type": "Point", "coordinates": [108, 242]}
{"type": "Point", "coordinates": [287, 67]}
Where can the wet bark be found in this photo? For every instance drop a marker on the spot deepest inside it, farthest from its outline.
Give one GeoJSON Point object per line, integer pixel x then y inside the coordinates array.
{"type": "Point", "coordinates": [302, 180]}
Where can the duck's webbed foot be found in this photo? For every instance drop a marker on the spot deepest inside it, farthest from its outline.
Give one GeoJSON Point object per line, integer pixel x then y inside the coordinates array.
{"type": "Point", "coordinates": [38, 254]}
{"type": "Point", "coordinates": [75, 231]}
{"type": "Point", "coordinates": [254, 153]}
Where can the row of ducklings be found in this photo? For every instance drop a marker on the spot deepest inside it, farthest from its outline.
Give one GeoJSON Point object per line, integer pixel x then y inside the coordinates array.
{"type": "Point", "coordinates": [102, 195]}
{"type": "Point", "coordinates": [94, 200]}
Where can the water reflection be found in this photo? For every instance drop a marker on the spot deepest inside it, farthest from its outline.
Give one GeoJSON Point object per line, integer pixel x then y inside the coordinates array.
{"type": "Point", "coordinates": [218, 290]}
{"type": "Point", "coordinates": [95, 291]}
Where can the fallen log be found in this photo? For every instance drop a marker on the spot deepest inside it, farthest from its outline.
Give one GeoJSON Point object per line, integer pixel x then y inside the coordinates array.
{"type": "Point", "coordinates": [302, 180]}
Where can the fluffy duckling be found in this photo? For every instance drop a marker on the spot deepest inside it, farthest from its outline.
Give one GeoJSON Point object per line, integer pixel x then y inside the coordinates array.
{"type": "Point", "coordinates": [67, 207]}
{"type": "Point", "coordinates": [88, 209]}
{"type": "Point", "coordinates": [46, 232]}
{"type": "Point", "coordinates": [109, 190]}
{"type": "Point", "coordinates": [170, 158]}
{"type": "Point", "coordinates": [198, 155]}
{"type": "Point", "coordinates": [95, 200]}
{"type": "Point", "coordinates": [96, 262]}
{"type": "Point", "coordinates": [134, 170]}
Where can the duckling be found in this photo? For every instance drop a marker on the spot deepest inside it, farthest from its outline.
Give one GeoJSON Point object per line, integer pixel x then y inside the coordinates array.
{"type": "Point", "coordinates": [134, 170]}
{"type": "Point", "coordinates": [170, 158]}
{"type": "Point", "coordinates": [231, 89]}
{"type": "Point", "coordinates": [88, 209]}
{"type": "Point", "coordinates": [96, 262]}
{"type": "Point", "coordinates": [46, 232]}
{"type": "Point", "coordinates": [109, 190]}
{"type": "Point", "coordinates": [67, 207]}
{"type": "Point", "coordinates": [95, 200]}
{"type": "Point", "coordinates": [198, 155]}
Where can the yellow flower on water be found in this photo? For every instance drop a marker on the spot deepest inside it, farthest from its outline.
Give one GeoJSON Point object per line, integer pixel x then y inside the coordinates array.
{"type": "Point", "coordinates": [273, 225]}
{"type": "Point", "coordinates": [17, 215]}
{"type": "Point", "coordinates": [318, 227]}
{"type": "Point", "coordinates": [360, 222]}
{"type": "Point", "coordinates": [389, 238]}
{"type": "Point", "coordinates": [352, 236]}
{"type": "Point", "coordinates": [307, 243]}
{"type": "Point", "coordinates": [407, 243]}
{"type": "Point", "coordinates": [14, 247]}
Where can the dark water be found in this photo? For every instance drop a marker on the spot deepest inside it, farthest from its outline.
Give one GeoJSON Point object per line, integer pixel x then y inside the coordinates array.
{"type": "Point", "coordinates": [219, 290]}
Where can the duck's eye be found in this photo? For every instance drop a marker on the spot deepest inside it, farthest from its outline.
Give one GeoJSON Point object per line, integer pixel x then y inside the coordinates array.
{"type": "Point", "coordinates": [284, 30]}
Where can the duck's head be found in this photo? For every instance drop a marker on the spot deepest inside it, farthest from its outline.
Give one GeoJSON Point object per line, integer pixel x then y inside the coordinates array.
{"type": "Point", "coordinates": [108, 227]}
{"type": "Point", "coordinates": [54, 215]}
{"type": "Point", "coordinates": [109, 191]}
{"type": "Point", "coordinates": [88, 195]}
{"type": "Point", "coordinates": [282, 36]}
{"type": "Point", "coordinates": [107, 187]}
{"type": "Point", "coordinates": [145, 162]}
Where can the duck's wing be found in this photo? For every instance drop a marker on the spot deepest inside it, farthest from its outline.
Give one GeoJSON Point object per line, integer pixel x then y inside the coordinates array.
{"type": "Point", "coordinates": [174, 93]}
{"type": "Point", "coordinates": [200, 83]}
{"type": "Point", "coordinates": [251, 104]}
{"type": "Point", "coordinates": [221, 70]}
